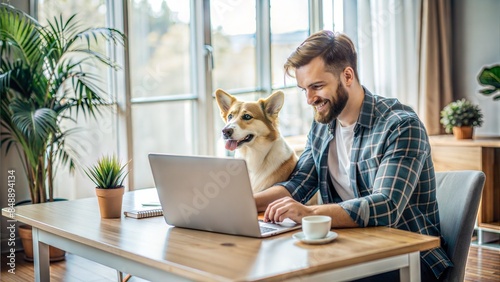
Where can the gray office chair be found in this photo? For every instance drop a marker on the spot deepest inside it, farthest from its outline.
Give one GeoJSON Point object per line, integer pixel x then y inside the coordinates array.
{"type": "Point", "coordinates": [458, 196]}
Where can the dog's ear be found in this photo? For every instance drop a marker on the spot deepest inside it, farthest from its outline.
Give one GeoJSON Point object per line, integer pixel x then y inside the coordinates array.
{"type": "Point", "coordinates": [273, 103]}
{"type": "Point", "coordinates": [225, 100]}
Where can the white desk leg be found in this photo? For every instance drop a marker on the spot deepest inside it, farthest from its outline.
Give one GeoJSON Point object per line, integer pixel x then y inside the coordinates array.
{"type": "Point", "coordinates": [412, 272]}
{"type": "Point", "coordinates": [120, 275]}
{"type": "Point", "coordinates": [41, 258]}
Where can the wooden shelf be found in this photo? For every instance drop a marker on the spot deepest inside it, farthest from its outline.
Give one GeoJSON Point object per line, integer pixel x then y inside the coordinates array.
{"type": "Point", "coordinates": [449, 140]}
{"type": "Point", "coordinates": [493, 226]}
{"type": "Point", "coordinates": [480, 153]}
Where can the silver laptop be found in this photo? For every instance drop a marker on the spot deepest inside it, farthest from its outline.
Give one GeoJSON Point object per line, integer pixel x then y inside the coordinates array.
{"type": "Point", "coordinates": [209, 193]}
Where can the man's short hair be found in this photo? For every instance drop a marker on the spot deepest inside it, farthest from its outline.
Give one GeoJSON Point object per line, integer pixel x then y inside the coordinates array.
{"type": "Point", "coordinates": [336, 50]}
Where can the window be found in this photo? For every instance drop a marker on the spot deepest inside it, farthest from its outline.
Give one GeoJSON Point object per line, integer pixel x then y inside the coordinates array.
{"type": "Point", "coordinates": [179, 52]}
{"type": "Point", "coordinates": [233, 29]}
{"type": "Point", "coordinates": [160, 75]}
{"type": "Point", "coordinates": [286, 35]}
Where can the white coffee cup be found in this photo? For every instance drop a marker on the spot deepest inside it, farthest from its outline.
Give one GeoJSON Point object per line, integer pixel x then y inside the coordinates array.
{"type": "Point", "coordinates": [316, 226]}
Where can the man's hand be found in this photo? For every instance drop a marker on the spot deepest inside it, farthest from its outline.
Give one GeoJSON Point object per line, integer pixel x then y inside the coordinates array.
{"type": "Point", "coordinates": [264, 198]}
{"type": "Point", "coordinates": [278, 205]}
{"type": "Point", "coordinates": [286, 207]}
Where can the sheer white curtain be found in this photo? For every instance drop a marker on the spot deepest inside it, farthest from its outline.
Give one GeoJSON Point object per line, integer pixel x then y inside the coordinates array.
{"type": "Point", "coordinates": [388, 48]}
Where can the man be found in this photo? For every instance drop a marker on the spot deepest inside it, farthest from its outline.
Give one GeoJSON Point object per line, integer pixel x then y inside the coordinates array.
{"type": "Point", "coordinates": [368, 156]}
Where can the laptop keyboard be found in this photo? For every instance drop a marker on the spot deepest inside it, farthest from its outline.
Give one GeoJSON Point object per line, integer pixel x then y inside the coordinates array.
{"type": "Point", "coordinates": [264, 229]}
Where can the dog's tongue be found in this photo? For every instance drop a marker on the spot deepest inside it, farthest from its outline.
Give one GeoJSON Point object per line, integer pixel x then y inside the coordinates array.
{"type": "Point", "coordinates": [231, 145]}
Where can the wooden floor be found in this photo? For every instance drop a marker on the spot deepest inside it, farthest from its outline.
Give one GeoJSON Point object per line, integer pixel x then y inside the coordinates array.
{"type": "Point", "coordinates": [483, 265]}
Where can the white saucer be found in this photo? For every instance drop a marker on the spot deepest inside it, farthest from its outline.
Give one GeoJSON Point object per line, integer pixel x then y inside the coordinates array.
{"type": "Point", "coordinates": [329, 237]}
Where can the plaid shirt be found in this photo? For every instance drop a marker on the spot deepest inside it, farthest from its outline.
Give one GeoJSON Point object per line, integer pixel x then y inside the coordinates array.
{"type": "Point", "coordinates": [391, 173]}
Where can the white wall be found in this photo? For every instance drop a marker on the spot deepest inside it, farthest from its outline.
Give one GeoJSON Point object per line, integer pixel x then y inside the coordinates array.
{"type": "Point", "coordinates": [476, 43]}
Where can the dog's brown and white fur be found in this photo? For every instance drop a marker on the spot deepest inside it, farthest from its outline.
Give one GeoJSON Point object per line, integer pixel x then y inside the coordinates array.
{"type": "Point", "coordinates": [252, 130]}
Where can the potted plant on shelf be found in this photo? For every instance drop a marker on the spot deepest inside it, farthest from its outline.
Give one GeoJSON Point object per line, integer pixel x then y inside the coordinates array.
{"type": "Point", "coordinates": [108, 175]}
{"type": "Point", "coordinates": [46, 79]}
{"type": "Point", "coordinates": [490, 77]}
{"type": "Point", "coordinates": [460, 117]}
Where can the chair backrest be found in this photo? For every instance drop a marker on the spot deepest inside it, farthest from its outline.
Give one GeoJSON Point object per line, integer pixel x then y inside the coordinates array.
{"type": "Point", "coordinates": [458, 196]}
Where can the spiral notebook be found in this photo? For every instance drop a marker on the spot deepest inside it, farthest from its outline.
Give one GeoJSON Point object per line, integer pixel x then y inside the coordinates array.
{"type": "Point", "coordinates": [144, 213]}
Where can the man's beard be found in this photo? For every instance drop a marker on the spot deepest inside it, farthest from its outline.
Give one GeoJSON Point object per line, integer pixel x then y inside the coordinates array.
{"type": "Point", "coordinates": [335, 109]}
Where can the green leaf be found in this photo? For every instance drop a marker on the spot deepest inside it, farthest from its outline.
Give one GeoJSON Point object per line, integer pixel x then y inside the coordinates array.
{"type": "Point", "coordinates": [488, 91]}
{"type": "Point", "coordinates": [35, 124]}
{"type": "Point", "coordinates": [107, 172]}
{"type": "Point", "coordinates": [490, 77]}
{"type": "Point", "coordinates": [459, 113]}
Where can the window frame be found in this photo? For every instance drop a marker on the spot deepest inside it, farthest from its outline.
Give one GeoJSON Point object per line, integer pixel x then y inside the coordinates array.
{"type": "Point", "coordinates": [201, 72]}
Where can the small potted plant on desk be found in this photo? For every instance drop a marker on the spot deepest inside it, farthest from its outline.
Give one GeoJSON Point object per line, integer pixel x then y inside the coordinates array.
{"type": "Point", "coordinates": [108, 175]}
{"type": "Point", "coordinates": [460, 117]}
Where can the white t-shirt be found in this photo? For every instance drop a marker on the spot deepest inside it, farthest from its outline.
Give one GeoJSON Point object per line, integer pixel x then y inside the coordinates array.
{"type": "Point", "coordinates": [339, 160]}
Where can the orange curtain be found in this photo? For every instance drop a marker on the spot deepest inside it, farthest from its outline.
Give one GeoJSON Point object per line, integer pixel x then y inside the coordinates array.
{"type": "Point", "coordinates": [434, 85]}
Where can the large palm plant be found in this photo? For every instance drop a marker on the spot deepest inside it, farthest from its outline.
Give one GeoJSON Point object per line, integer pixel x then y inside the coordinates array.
{"type": "Point", "coordinates": [43, 81]}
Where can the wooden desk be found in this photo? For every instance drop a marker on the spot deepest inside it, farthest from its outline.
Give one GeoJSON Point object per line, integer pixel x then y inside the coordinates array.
{"type": "Point", "coordinates": [151, 249]}
{"type": "Point", "coordinates": [481, 153]}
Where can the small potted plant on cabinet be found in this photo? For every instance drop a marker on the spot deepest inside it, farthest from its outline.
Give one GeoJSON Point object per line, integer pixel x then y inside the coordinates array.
{"type": "Point", "coordinates": [108, 175]}
{"type": "Point", "coordinates": [460, 117]}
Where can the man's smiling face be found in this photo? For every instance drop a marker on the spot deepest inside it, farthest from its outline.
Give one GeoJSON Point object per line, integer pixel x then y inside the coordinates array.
{"type": "Point", "coordinates": [323, 90]}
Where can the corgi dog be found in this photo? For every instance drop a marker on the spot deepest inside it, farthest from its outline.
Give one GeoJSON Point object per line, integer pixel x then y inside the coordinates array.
{"type": "Point", "coordinates": [252, 130]}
